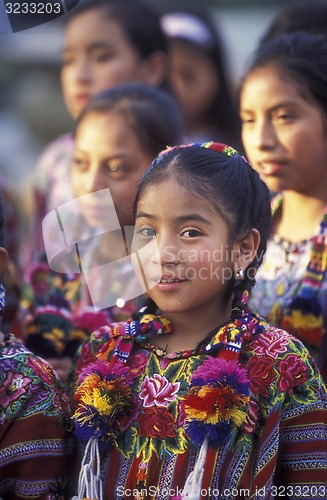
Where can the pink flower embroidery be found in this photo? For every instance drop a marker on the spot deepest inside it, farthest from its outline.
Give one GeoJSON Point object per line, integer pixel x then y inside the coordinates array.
{"type": "Point", "coordinates": [271, 343]}
{"type": "Point", "coordinates": [293, 372]}
{"type": "Point", "coordinates": [12, 388]}
{"type": "Point", "coordinates": [157, 390]}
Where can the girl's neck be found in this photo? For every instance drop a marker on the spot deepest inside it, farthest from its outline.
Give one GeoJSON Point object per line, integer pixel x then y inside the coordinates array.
{"type": "Point", "coordinates": [189, 330]}
{"type": "Point", "coordinates": [299, 217]}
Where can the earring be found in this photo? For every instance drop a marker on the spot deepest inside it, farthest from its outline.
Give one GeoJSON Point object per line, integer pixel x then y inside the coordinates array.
{"type": "Point", "coordinates": [239, 275]}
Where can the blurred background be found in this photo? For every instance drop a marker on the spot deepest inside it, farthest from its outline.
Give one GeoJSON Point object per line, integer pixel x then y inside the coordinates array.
{"type": "Point", "coordinates": [32, 111]}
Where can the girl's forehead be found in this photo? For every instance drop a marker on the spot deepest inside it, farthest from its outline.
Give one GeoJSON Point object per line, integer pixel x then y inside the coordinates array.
{"type": "Point", "coordinates": [93, 25]}
{"type": "Point", "coordinates": [160, 186]}
{"type": "Point", "coordinates": [172, 193]}
{"type": "Point", "coordinates": [274, 82]}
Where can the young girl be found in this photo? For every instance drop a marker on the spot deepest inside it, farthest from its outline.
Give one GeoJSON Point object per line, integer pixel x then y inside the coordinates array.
{"type": "Point", "coordinates": [198, 77]}
{"type": "Point", "coordinates": [105, 43]}
{"type": "Point", "coordinates": [198, 397]}
{"type": "Point", "coordinates": [117, 136]}
{"type": "Point", "coordinates": [284, 112]}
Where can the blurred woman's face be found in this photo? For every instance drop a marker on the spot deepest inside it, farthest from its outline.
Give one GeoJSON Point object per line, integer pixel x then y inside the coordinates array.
{"type": "Point", "coordinates": [284, 134]}
{"type": "Point", "coordinates": [193, 79]}
{"type": "Point", "coordinates": [96, 55]}
{"type": "Point", "coordinates": [108, 154]}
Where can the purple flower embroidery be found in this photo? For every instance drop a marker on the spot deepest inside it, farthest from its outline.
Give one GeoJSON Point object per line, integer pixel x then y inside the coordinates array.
{"type": "Point", "coordinates": [12, 388]}
{"type": "Point", "coordinates": [157, 390]}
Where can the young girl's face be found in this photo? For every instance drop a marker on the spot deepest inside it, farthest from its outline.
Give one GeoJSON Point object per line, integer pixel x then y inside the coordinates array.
{"type": "Point", "coordinates": [284, 135]}
{"type": "Point", "coordinates": [193, 79]}
{"type": "Point", "coordinates": [96, 55]}
{"type": "Point", "coordinates": [193, 266]}
{"type": "Point", "coordinates": [108, 154]}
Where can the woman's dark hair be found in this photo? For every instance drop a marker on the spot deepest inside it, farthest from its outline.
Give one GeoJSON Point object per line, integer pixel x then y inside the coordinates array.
{"type": "Point", "coordinates": [151, 112]}
{"type": "Point", "coordinates": [139, 21]}
{"type": "Point", "coordinates": [310, 17]}
{"type": "Point", "coordinates": [301, 57]}
{"type": "Point", "coordinates": [221, 113]}
{"type": "Point", "coordinates": [222, 178]}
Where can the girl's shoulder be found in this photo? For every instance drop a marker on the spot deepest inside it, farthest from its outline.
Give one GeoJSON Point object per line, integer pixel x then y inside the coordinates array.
{"type": "Point", "coordinates": [281, 370]}
{"type": "Point", "coordinates": [276, 345]}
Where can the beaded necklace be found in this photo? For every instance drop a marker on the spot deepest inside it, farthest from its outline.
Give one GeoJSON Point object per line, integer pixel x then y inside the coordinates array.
{"type": "Point", "coordinates": [303, 317]}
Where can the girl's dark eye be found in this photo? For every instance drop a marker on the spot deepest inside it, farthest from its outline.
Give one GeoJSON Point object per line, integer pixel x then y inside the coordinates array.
{"type": "Point", "coordinates": [191, 233]}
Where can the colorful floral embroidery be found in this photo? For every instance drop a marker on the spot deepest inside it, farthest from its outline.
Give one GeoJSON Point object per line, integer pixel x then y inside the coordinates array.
{"type": "Point", "coordinates": [157, 390]}
{"type": "Point", "coordinates": [27, 384]}
{"type": "Point", "coordinates": [272, 344]}
{"type": "Point", "coordinates": [291, 287]}
{"type": "Point", "coordinates": [262, 374]}
{"type": "Point", "coordinates": [156, 423]}
{"type": "Point", "coordinates": [231, 392]}
{"type": "Point", "coordinates": [288, 370]}
{"type": "Point", "coordinates": [12, 388]}
{"type": "Point", "coordinates": [293, 373]}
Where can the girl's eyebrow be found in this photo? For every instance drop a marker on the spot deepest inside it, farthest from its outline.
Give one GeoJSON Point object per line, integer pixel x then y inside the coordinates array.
{"type": "Point", "coordinates": [276, 107]}
{"type": "Point", "coordinates": [180, 219]}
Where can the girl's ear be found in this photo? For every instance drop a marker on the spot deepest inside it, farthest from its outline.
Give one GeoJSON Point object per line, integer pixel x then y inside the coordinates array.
{"type": "Point", "coordinates": [3, 259]}
{"type": "Point", "coordinates": [246, 250]}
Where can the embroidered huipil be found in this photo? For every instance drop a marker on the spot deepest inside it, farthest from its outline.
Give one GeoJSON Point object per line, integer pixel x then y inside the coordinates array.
{"type": "Point", "coordinates": [35, 441]}
{"type": "Point", "coordinates": [291, 289]}
{"type": "Point", "coordinates": [257, 397]}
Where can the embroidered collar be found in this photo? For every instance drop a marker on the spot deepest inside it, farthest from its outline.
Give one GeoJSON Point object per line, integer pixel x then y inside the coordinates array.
{"type": "Point", "coordinates": [105, 396]}
{"type": "Point", "coordinates": [303, 317]}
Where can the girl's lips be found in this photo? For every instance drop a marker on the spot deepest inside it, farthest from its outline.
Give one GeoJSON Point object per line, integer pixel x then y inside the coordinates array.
{"type": "Point", "coordinates": [167, 283]}
{"type": "Point", "coordinates": [82, 99]}
{"type": "Point", "coordinates": [170, 285]}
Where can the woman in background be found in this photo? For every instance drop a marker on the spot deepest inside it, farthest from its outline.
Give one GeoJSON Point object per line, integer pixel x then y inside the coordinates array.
{"type": "Point", "coordinates": [106, 43]}
{"type": "Point", "coordinates": [198, 77]}
{"type": "Point", "coordinates": [116, 137]}
{"type": "Point", "coordinates": [283, 106]}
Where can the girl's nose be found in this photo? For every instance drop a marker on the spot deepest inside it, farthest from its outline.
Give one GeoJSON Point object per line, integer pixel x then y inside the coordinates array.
{"type": "Point", "coordinates": [168, 251]}
{"type": "Point", "coordinates": [82, 71]}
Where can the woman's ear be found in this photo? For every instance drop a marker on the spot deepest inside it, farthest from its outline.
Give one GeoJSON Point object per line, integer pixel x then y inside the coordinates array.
{"type": "Point", "coordinates": [3, 259]}
{"type": "Point", "coordinates": [155, 69]}
{"type": "Point", "coordinates": [247, 250]}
